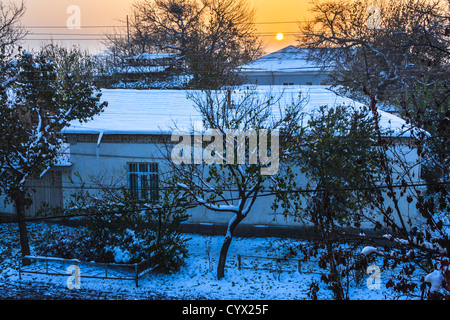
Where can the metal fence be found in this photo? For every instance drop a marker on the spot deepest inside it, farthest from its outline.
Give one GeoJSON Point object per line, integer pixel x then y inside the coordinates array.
{"type": "Point", "coordinates": [59, 267]}
{"type": "Point", "coordinates": [276, 265]}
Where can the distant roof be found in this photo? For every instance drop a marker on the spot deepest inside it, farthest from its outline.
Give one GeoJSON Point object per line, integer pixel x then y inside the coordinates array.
{"type": "Point", "coordinates": [151, 56]}
{"type": "Point", "coordinates": [140, 69]}
{"type": "Point", "coordinates": [289, 59]}
{"type": "Point", "coordinates": [160, 111]}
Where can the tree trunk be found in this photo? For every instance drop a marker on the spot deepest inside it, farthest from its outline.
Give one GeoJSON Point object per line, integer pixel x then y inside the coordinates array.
{"type": "Point", "coordinates": [223, 258]}
{"type": "Point", "coordinates": [24, 243]}
{"type": "Point", "coordinates": [226, 245]}
{"type": "Point", "coordinates": [334, 275]}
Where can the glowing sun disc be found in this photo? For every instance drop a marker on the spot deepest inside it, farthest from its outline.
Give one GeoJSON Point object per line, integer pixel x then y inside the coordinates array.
{"type": "Point", "coordinates": [280, 36]}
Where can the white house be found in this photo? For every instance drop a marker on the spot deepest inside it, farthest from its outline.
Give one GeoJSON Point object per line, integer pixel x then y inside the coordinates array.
{"type": "Point", "coordinates": [288, 66]}
{"type": "Point", "coordinates": [123, 143]}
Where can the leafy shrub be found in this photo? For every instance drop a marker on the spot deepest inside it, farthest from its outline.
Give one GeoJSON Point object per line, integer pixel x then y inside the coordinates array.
{"type": "Point", "coordinates": [120, 228]}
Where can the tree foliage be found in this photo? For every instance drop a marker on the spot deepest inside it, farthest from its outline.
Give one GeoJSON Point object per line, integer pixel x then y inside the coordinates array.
{"type": "Point", "coordinates": [72, 61]}
{"type": "Point", "coordinates": [120, 227]}
{"type": "Point", "coordinates": [395, 54]}
{"type": "Point", "coordinates": [338, 158]}
{"type": "Point", "coordinates": [35, 105]}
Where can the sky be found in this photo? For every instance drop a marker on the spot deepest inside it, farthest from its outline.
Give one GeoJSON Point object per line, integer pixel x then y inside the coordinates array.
{"type": "Point", "coordinates": [95, 17]}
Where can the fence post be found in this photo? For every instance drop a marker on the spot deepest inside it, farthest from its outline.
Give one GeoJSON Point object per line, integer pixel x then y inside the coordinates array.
{"type": "Point", "coordinates": [278, 269]}
{"type": "Point", "coordinates": [136, 274]}
{"type": "Point", "coordinates": [239, 262]}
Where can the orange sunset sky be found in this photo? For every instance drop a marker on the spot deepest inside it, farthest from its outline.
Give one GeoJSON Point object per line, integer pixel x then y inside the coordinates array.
{"type": "Point", "coordinates": [53, 13]}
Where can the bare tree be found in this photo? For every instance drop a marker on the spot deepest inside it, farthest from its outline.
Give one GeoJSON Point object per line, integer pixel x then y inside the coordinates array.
{"type": "Point", "coordinates": [209, 37]}
{"type": "Point", "coordinates": [11, 31]}
{"type": "Point", "coordinates": [129, 40]}
{"type": "Point", "coordinates": [225, 176]}
{"type": "Point", "coordinates": [71, 60]}
{"type": "Point", "coordinates": [382, 47]}
{"type": "Point", "coordinates": [175, 25]}
{"type": "Point", "coordinates": [228, 41]}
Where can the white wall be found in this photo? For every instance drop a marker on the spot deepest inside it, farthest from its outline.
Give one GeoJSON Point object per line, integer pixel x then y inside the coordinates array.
{"type": "Point", "coordinates": [109, 161]}
{"type": "Point", "coordinates": [280, 78]}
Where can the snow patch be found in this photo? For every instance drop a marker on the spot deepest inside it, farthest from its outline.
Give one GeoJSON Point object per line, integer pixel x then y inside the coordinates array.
{"type": "Point", "coordinates": [368, 250]}
{"type": "Point", "coordinates": [121, 255]}
{"type": "Point", "coordinates": [435, 279]}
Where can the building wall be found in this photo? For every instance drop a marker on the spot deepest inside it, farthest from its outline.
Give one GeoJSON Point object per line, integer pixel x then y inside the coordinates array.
{"type": "Point", "coordinates": [109, 159]}
{"type": "Point", "coordinates": [6, 208]}
{"type": "Point", "coordinates": [108, 162]}
{"type": "Point", "coordinates": [45, 191]}
{"type": "Point", "coordinates": [280, 78]}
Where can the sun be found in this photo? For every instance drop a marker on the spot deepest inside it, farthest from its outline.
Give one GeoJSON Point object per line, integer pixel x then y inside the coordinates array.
{"type": "Point", "coordinates": [280, 36]}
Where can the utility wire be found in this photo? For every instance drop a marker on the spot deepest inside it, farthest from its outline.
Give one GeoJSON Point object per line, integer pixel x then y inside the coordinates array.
{"type": "Point", "coordinates": [124, 25]}
{"type": "Point", "coordinates": [293, 190]}
{"type": "Point", "coordinates": [190, 206]}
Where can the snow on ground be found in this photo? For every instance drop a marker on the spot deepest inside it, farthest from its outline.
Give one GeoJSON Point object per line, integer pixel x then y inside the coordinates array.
{"type": "Point", "coordinates": [197, 279]}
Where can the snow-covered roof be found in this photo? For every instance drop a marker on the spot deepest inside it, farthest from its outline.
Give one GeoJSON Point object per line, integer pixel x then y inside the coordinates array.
{"type": "Point", "coordinates": [151, 56]}
{"type": "Point", "coordinates": [160, 111]}
{"type": "Point", "coordinates": [287, 60]}
{"type": "Point", "coordinates": [139, 112]}
{"type": "Point", "coordinates": [140, 69]}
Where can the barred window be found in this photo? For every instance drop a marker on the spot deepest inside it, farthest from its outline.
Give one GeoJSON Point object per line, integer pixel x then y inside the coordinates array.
{"type": "Point", "coordinates": [143, 181]}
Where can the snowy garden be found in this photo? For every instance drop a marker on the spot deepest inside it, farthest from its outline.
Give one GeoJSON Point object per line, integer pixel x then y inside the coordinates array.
{"type": "Point", "coordinates": [250, 275]}
{"type": "Point", "coordinates": [95, 183]}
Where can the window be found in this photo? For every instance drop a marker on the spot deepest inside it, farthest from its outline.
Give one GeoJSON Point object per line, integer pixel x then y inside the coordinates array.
{"type": "Point", "coordinates": [143, 180]}
{"type": "Point", "coordinates": [288, 84]}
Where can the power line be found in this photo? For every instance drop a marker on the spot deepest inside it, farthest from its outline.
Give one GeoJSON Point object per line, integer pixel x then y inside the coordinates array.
{"type": "Point", "coordinates": [190, 206]}
{"type": "Point", "coordinates": [293, 190]}
{"type": "Point", "coordinates": [66, 27]}
{"type": "Point", "coordinates": [124, 25]}
{"type": "Point", "coordinates": [123, 34]}
{"type": "Point", "coordinates": [105, 38]}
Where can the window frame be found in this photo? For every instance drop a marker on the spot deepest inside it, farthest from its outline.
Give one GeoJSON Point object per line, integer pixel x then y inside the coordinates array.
{"type": "Point", "coordinates": [143, 180]}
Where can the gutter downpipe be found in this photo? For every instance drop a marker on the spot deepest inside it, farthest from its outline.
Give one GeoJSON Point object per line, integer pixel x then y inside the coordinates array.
{"type": "Point", "coordinates": [97, 151]}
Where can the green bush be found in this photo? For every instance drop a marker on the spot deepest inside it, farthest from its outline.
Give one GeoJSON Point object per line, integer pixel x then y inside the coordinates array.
{"type": "Point", "coordinates": [126, 230]}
